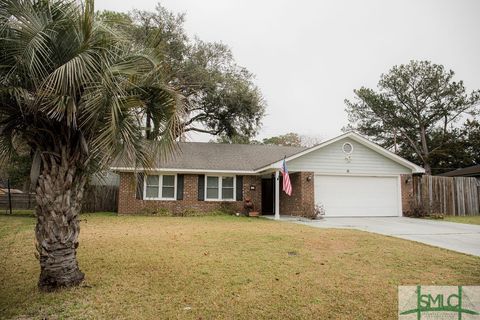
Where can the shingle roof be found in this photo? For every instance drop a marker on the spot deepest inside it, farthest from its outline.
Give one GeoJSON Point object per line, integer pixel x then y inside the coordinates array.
{"type": "Point", "coordinates": [472, 171]}
{"type": "Point", "coordinates": [217, 156]}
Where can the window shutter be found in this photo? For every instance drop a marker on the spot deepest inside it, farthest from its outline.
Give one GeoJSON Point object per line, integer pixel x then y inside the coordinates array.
{"type": "Point", "coordinates": [201, 187]}
{"type": "Point", "coordinates": [179, 186]}
{"type": "Point", "coordinates": [239, 186]}
{"type": "Point", "coordinates": [139, 191]}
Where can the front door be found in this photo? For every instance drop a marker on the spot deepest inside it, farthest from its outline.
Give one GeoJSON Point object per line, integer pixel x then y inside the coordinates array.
{"type": "Point", "coordinates": [267, 196]}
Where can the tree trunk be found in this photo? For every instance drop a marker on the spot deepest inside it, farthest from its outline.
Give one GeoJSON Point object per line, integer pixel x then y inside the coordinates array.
{"type": "Point", "coordinates": [59, 195]}
{"type": "Point", "coordinates": [425, 150]}
{"type": "Point", "coordinates": [428, 169]}
{"type": "Point", "coordinates": [149, 127]}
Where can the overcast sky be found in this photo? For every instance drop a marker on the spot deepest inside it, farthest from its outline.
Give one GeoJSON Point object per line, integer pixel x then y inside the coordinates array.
{"type": "Point", "coordinates": [308, 56]}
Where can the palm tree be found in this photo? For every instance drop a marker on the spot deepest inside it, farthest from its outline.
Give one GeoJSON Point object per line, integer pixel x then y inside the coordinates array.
{"type": "Point", "coordinates": [76, 93]}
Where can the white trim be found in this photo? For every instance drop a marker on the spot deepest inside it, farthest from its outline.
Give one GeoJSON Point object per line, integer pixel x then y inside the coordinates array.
{"type": "Point", "coordinates": [154, 170]}
{"type": "Point", "coordinates": [358, 138]}
{"type": "Point", "coordinates": [277, 195]}
{"type": "Point", "coordinates": [220, 188]}
{"type": "Point", "coordinates": [160, 187]}
{"type": "Point", "coordinates": [400, 202]}
{"type": "Point", "coordinates": [356, 174]}
{"type": "Point", "coordinates": [278, 164]}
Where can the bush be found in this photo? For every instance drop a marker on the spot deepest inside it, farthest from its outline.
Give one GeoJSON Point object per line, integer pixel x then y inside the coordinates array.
{"type": "Point", "coordinates": [189, 212]}
{"type": "Point", "coordinates": [417, 210]}
{"type": "Point", "coordinates": [164, 212]}
{"type": "Point", "coordinates": [425, 210]}
{"type": "Point", "coordinates": [227, 208]}
{"type": "Point", "coordinates": [317, 213]}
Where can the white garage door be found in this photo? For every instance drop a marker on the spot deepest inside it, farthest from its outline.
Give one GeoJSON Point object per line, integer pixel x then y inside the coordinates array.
{"type": "Point", "coordinates": [347, 196]}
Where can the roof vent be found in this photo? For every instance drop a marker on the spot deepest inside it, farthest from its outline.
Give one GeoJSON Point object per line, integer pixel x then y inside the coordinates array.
{"type": "Point", "coordinates": [347, 148]}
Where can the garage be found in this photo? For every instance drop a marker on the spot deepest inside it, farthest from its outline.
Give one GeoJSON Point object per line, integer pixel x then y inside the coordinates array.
{"type": "Point", "coordinates": [358, 196]}
{"type": "Point", "coordinates": [349, 176]}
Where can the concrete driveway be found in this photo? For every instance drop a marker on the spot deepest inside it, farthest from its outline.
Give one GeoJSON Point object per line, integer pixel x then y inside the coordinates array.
{"type": "Point", "coordinates": [459, 237]}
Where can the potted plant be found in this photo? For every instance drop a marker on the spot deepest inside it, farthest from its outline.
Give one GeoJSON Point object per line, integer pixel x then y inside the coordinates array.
{"type": "Point", "coordinates": [250, 208]}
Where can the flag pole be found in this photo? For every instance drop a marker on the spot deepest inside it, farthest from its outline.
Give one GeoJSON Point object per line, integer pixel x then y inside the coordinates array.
{"type": "Point", "coordinates": [277, 194]}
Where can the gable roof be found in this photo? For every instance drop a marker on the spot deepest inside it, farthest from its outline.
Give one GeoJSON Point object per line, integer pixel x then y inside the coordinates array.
{"type": "Point", "coordinates": [473, 171]}
{"type": "Point", "coordinates": [247, 158]}
{"type": "Point", "coordinates": [358, 138]}
{"type": "Point", "coordinates": [217, 157]}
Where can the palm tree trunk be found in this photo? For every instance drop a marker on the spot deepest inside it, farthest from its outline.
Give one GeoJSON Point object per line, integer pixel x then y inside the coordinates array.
{"type": "Point", "coordinates": [59, 195]}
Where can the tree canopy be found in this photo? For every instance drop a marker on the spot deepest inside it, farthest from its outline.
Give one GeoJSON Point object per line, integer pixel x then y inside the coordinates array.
{"type": "Point", "coordinates": [221, 97]}
{"type": "Point", "coordinates": [416, 111]}
{"type": "Point", "coordinates": [290, 139]}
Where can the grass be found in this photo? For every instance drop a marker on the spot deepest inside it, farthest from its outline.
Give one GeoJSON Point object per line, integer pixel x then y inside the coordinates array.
{"type": "Point", "coordinates": [17, 212]}
{"type": "Point", "coordinates": [223, 267]}
{"type": "Point", "coordinates": [464, 219]}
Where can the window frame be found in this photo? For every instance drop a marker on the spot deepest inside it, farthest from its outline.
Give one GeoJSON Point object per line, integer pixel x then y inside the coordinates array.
{"type": "Point", "coordinates": [220, 188]}
{"type": "Point", "coordinates": [160, 187]}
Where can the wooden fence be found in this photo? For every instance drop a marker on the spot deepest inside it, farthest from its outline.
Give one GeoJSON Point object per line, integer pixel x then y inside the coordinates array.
{"type": "Point", "coordinates": [96, 198]}
{"type": "Point", "coordinates": [20, 201]}
{"type": "Point", "coordinates": [100, 198]}
{"type": "Point", "coordinates": [457, 196]}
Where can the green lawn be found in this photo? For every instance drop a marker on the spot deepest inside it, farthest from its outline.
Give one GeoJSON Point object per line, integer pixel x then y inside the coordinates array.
{"type": "Point", "coordinates": [140, 267]}
{"type": "Point", "coordinates": [466, 219]}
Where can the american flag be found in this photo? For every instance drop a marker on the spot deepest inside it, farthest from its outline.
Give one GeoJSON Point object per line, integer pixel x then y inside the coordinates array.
{"type": "Point", "coordinates": [287, 185]}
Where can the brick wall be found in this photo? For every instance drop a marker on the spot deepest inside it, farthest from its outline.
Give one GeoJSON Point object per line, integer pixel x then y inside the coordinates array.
{"type": "Point", "coordinates": [127, 202]}
{"type": "Point", "coordinates": [406, 184]}
{"type": "Point", "coordinates": [302, 200]}
{"type": "Point", "coordinates": [300, 203]}
{"type": "Point", "coordinates": [255, 195]}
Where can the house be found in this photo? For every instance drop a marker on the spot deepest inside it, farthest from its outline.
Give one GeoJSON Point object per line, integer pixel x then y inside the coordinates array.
{"type": "Point", "coordinates": [349, 175]}
{"type": "Point", "coordinates": [473, 171]}
{"type": "Point", "coordinates": [12, 191]}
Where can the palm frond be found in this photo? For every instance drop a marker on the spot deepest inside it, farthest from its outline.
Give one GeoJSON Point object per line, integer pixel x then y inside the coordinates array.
{"type": "Point", "coordinates": [68, 78]}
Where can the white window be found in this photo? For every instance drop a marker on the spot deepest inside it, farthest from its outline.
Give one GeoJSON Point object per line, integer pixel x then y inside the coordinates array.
{"type": "Point", "coordinates": [220, 188]}
{"type": "Point", "coordinates": [227, 188]}
{"type": "Point", "coordinates": [160, 187]}
{"type": "Point", "coordinates": [168, 186]}
{"type": "Point", "coordinates": [213, 191]}
{"type": "Point", "coordinates": [152, 187]}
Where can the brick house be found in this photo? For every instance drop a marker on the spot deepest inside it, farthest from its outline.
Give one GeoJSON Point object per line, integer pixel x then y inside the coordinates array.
{"type": "Point", "coordinates": [348, 175]}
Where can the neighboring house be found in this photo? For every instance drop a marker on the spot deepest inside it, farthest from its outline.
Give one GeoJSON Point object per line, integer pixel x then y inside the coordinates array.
{"type": "Point", "coordinates": [473, 171]}
{"type": "Point", "coordinates": [349, 175]}
{"type": "Point", "coordinates": [5, 191]}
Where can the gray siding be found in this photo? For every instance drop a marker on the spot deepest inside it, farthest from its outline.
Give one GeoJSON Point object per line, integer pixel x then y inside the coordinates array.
{"type": "Point", "coordinates": [331, 159]}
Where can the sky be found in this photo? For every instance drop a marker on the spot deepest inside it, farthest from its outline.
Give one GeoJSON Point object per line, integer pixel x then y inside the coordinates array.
{"type": "Point", "coordinates": [309, 56]}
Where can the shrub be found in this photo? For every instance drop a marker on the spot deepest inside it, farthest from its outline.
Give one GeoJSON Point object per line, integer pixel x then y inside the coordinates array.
{"type": "Point", "coordinates": [424, 210]}
{"type": "Point", "coordinates": [227, 208]}
{"type": "Point", "coordinates": [164, 212]}
{"type": "Point", "coordinates": [417, 210]}
{"type": "Point", "coordinates": [190, 212]}
{"type": "Point", "coordinates": [317, 213]}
